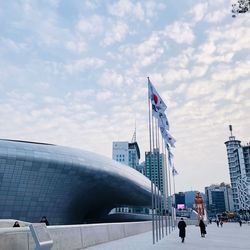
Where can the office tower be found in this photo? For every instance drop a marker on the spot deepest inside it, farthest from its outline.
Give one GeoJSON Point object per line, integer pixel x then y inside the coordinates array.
{"type": "Point", "coordinates": [126, 153]}
{"type": "Point", "coordinates": [157, 162]}
{"type": "Point", "coordinates": [218, 199]}
{"type": "Point", "coordinates": [239, 169]}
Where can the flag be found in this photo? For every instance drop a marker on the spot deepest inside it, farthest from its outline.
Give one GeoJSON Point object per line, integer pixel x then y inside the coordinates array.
{"type": "Point", "coordinates": [158, 104]}
{"type": "Point", "coordinates": [170, 156]}
{"type": "Point", "coordinates": [167, 137]}
{"type": "Point", "coordinates": [174, 172]}
{"type": "Point", "coordinates": [163, 121]}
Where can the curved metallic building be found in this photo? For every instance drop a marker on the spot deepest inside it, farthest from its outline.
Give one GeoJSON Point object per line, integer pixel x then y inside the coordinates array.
{"type": "Point", "coordinates": [67, 185]}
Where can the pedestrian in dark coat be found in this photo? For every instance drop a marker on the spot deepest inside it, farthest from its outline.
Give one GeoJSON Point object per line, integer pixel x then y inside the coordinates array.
{"type": "Point", "coordinates": [202, 228]}
{"type": "Point", "coordinates": [16, 224]}
{"type": "Point", "coordinates": [44, 220]}
{"type": "Point", "coordinates": [182, 229]}
{"type": "Point", "coordinates": [218, 223]}
{"type": "Point", "coordinates": [221, 223]}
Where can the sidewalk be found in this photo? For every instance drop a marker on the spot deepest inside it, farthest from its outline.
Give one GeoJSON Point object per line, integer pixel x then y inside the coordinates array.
{"type": "Point", "coordinates": [230, 237]}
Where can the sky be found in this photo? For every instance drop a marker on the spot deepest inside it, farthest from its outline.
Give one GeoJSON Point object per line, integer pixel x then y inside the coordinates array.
{"type": "Point", "coordinates": [74, 73]}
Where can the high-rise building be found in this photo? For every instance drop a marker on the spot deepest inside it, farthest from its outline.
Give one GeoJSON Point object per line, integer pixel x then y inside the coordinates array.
{"type": "Point", "coordinates": [157, 163]}
{"type": "Point", "coordinates": [126, 153]}
{"type": "Point", "coordinates": [239, 170]}
{"type": "Point", "coordinates": [219, 199]}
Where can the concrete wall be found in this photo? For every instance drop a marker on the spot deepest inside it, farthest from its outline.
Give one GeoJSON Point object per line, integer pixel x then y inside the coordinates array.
{"type": "Point", "coordinates": [72, 237]}
{"type": "Point", "coordinates": [9, 223]}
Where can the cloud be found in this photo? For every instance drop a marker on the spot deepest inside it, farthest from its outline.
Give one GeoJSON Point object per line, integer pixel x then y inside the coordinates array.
{"type": "Point", "coordinates": [145, 53]}
{"type": "Point", "coordinates": [92, 25]}
{"type": "Point", "coordinates": [83, 64]}
{"type": "Point", "coordinates": [126, 8]}
{"type": "Point", "coordinates": [180, 32]}
{"type": "Point", "coordinates": [111, 78]}
{"type": "Point", "coordinates": [77, 75]}
{"type": "Point", "coordinates": [117, 33]}
{"type": "Point", "coordinates": [216, 16]}
{"type": "Point", "coordinates": [198, 12]}
{"type": "Point", "coordinates": [77, 46]}
{"type": "Point", "coordinates": [9, 45]}
{"type": "Point", "coordinates": [104, 95]}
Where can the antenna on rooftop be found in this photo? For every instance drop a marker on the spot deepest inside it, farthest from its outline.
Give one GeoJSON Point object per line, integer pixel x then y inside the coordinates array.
{"type": "Point", "coordinates": [231, 129]}
{"type": "Point", "coordinates": [134, 135]}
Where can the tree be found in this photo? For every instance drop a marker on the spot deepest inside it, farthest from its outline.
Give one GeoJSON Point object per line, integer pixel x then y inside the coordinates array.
{"type": "Point", "coordinates": [242, 6]}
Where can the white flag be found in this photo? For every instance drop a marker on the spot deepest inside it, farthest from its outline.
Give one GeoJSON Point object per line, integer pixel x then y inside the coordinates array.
{"type": "Point", "coordinates": [167, 137]}
{"type": "Point", "coordinates": [170, 156]}
{"type": "Point", "coordinates": [163, 121]}
{"type": "Point", "coordinates": [157, 102]}
{"type": "Point", "coordinates": [174, 171]}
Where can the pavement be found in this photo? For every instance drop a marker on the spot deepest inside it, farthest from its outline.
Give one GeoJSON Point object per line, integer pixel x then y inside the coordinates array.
{"type": "Point", "coordinates": [229, 237]}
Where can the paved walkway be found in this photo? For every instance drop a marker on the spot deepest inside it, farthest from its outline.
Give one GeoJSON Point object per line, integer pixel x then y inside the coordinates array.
{"type": "Point", "coordinates": [230, 237]}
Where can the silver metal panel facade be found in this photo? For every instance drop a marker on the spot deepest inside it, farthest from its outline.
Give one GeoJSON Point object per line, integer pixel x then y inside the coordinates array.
{"type": "Point", "coordinates": [67, 185]}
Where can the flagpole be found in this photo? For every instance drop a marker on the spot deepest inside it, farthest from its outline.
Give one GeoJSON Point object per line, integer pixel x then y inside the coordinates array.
{"type": "Point", "coordinates": [167, 173]}
{"type": "Point", "coordinates": [165, 185]}
{"type": "Point", "coordinates": [170, 191]}
{"type": "Point", "coordinates": [164, 220]}
{"type": "Point", "coordinates": [175, 204]}
{"type": "Point", "coordinates": [161, 185]}
{"type": "Point", "coordinates": [158, 108]}
{"type": "Point", "coordinates": [151, 174]}
{"type": "Point", "coordinates": [154, 178]}
{"type": "Point", "coordinates": [158, 177]}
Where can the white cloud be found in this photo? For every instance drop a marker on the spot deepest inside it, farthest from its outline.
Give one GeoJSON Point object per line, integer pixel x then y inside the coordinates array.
{"type": "Point", "coordinates": [232, 72]}
{"type": "Point", "coordinates": [7, 44]}
{"type": "Point", "coordinates": [180, 32]}
{"type": "Point", "coordinates": [104, 95]}
{"type": "Point", "coordinates": [198, 12]}
{"type": "Point", "coordinates": [83, 64]}
{"type": "Point", "coordinates": [216, 16]}
{"type": "Point", "coordinates": [117, 33]}
{"type": "Point", "coordinates": [77, 46]}
{"type": "Point", "coordinates": [92, 25]}
{"type": "Point", "coordinates": [110, 78]}
{"type": "Point", "coordinates": [145, 53]}
{"type": "Point", "coordinates": [201, 71]}
{"type": "Point", "coordinates": [127, 9]}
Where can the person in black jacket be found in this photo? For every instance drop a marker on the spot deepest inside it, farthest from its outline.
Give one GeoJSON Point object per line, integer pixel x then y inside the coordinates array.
{"type": "Point", "coordinates": [44, 220]}
{"type": "Point", "coordinates": [16, 224]}
{"type": "Point", "coordinates": [202, 228]}
{"type": "Point", "coordinates": [240, 222]}
{"type": "Point", "coordinates": [182, 229]}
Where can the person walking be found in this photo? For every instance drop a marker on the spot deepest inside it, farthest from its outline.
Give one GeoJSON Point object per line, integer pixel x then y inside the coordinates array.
{"type": "Point", "coordinates": [45, 220]}
{"type": "Point", "coordinates": [202, 228]}
{"type": "Point", "coordinates": [16, 224]}
{"type": "Point", "coordinates": [218, 223]}
{"type": "Point", "coordinates": [182, 229]}
{"type": "Point", "coordinates": [240, 222]}
{"type": "Point", "coordinates": [221, 223]}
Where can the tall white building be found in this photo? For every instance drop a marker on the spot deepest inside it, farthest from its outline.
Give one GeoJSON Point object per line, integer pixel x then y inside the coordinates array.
{"type": "Point", "coordinates": [127, 153]}
{"type": "Point", "coordinates": [239, 170]}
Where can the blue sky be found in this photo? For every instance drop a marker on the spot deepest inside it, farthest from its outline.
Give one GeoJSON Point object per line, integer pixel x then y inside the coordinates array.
{"type": "Point", "coordinates": [74, 73]}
